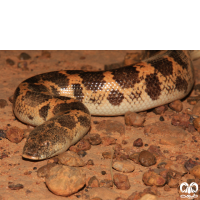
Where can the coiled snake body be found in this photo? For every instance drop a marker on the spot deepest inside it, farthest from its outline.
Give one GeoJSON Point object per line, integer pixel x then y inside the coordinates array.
{"type": "Point", "coordinates": [60, 103]}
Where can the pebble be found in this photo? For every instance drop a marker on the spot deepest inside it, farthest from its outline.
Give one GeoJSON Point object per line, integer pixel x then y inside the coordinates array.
{"type": "Point", "coordinates": [174, 166]}
{"type": "Point", "coordinates": [15, 134]}
{"type": "Point", "coordinates": [176, 105]}
{"type": "Point", "coordinates": [138, 142]}
{"type": "Point", "coordinates": [3, 103]}
{"type": "Point", "coordinates": [23, 65]}
{"type": "Point", "coordinates": [106, 183]}
{"type": "Point", "coordinates": [189, 164]}
{"type": "Point", "coordinates": [82, 145]}
{"type": "Point", "coordinates": [10, 62]}
{"type": "Point", "coordinates": [146, 158]}
{"type": "Point", "coordinates": [2, 133]}
{"type": "Point", "coordinates": [90, 162]}
{"type": "Point", "coordinates": [148, 197]}
{"type": "Point", "coordinates": [196, 123]}
{"type": "Point", "coordinates": [173, 183]}
{"type": "Point", "coordinates": [82, 153]}
{"type": "Point", "coordinates": [151, 178]}
{"type": "Point", "coordinates": [15, 186]}
{"type": "Point", "coordinates": [93, 182]}
{"type": "Point", "coordinates": [107, 155]}
{"type": "Point", "coordinates": [64, 180]}
{"type": "Point", "coordinates": [160, 109]}
{"type": "Point", "coordinates": [125, 166]}
{"type": "Point", "coordinates": [94, 139]}
{"type": "Point", "coordinates": [182, 120]}
{"type": "Point", "coordinates": [135, 157]}
{"type": "Point", "coordinates": [121, 181]}
{"type": "Point", "coordinates": [155, 150]}
{"type": "Point", "coordinates": [24, 56]}
{"type": "Point", "coordinates": [70, 158]}
{"type": "Point", "coordinates": [44, 170]}
{"type": "Point", "coordinates": [196, 109]}
{"type": "Point", "coordinates": [134, 119]}
{"type": "Point", "coordinates": [109, 126]}
{"type": "Point", "coordinates": [107, 140]}
{"type": "Point", "coordinates": [167, 188]}
{"type": "Point", "coordinates": [195, 171]}
{"type": "Point", "coordinates": [192, 100]}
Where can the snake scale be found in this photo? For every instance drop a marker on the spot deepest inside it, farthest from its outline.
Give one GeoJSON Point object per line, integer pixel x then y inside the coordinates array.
{"type": "Point", "coordinates": [60, 103]}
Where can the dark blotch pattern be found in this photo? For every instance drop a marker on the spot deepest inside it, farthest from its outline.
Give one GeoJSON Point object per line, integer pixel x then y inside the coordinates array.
{"type": "Point", "coordinates": [58, 78]}
{"type": "Point", "coordinates": [54, 90]}
{"type": "Point", "coordinates": [84, 121]}
{"type": "Point", "coordinates": [34, 99]}
{"type": "Point", "coordinates": [135, 95]}
{"type": "Point", "coordinates": [153, 86]}
{"type": "Point", "coordinates": [71, 72]}
{"type": "Point", "coordinates": [180, 58]}
{"type": "Point", "coordinates": [37, 88]}
{"type": "Point", "coordinates": [43, 112]}
{"type": "Point", "coordinates": [93, 80]}
{"type": "Point", "coordinates": [78, 91]}
{"type": "Point", "coordinates": [163, 65]}
{"type": "Point", "coordinates": [67, 121]}
{"type": "Point", "coordinates": [126, 77]}
{"type": "Point", "coordinates": [115, 97]}
{"type": "Point", "coordinates": [69, 106]}
{"type": "Point", "coordinates": [181, 84]}
{"type": "Point", "coordinates": [30, 117]}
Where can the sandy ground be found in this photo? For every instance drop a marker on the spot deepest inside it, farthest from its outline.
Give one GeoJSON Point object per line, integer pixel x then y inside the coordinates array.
{"type": "Point", "coordinates": [14, 169]}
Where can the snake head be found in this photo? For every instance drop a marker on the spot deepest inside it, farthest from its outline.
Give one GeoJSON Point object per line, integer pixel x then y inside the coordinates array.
{"type": "Point", "coordinates": [45, 141]}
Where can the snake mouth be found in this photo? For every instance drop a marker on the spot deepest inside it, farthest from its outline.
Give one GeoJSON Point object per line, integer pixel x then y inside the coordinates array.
{"type": "Point", "coordinates": [30, 157]}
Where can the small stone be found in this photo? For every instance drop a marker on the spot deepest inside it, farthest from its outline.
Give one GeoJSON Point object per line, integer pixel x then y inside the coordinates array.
{"type": "Point", "coordinates": [90, 162]}
{"type": "Point", "coordinates": [195, 171]}
{"type": "Point", "coordinates": [93, 182]}
{"type": "Point", "coordinates": [106, 183]}
{"type": "Point", "coordinates": [3, 103]}
{"type": "Point", "coordinates": [151, 178]}
{"type": "Point", "coordinates": [23, 65]}
{"type": "Point", "coordinates": [2, 133]}
{"type": "Point", "coordinates": [107, 155]}
{"type": "Point", "coordinates": [162, 118]}
{"type": "Point", "coordinates": [44, 170]}
{"type": "Point", "coordinates": [103, 172]}
{"type": "Point", "coordinates": [146, 158]}
{"type": "Point", "coordinates": [135, 196]}
{"type": "Point", "coordinates": [94, 139]}
{"type": "Point", "coordinates": [160, 110]}
{"type": "Point", "coordinates": [10, 62]}
{"type": "Point", "coordinates": [15, 186]}
{"type": "Point", "coordinates": [182, 120]}
{"type": "Point", "coordinates": [107, 140]}
{"type": "Point", "coordinates": [176, 105]}
{"type": "Point", "coordinates": [82, 145]}
{"type": "Point", "coordinates": [155, 150]}
{"type": "Point", "coordinates": [138, 143]}
{"type": "Point", "coordinates": [126, 166]}
{"type": "Point", "coordinates": [121, 181]}
{"type": "Point", "coordinates": [167, 188]}
{"type": "Point", "coordinates": [64, 180]}
{"type": "Point", "coordinates": [24, 56]}
{"type": "Point", "coordinates": [135, 157]}
{"type": "Point", "coordinates": [174, 166]}
{"type": "Point", "coordinates": [134, 119]}
{"type": "Point", "coordinates": [148, 197]}
{"type": "Point", "coordinates": [15, 134]}
{"type": "Point", "coordinates": [82, 153]}
{"type": "Point", "coordinates": [196, 124]}
{"type": "Point", "coordinates": [70, 158]}
{"type": "Point", "coordinates": [190, 164]}
{"type": "Point", "coordinates": [173, 183]}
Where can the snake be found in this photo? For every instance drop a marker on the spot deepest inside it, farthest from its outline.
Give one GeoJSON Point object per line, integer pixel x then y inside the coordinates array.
{"type": "Point", "coordinates": [60, 103]}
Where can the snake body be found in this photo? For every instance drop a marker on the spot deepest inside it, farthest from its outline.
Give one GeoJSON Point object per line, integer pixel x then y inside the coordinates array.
{"type": "Point", "coordinates": [61, 103]}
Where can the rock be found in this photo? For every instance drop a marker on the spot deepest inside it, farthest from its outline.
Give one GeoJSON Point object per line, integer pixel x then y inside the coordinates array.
{"type": "Point", "coordinates": [182, 120]}
{"type": "Point", "coordinates": [15, 134]}
{"type": "Point", "coordinates": [196, 123]}
{"type": "Point", "coordinates": [10, 62]}
{"type": "Point", "coordinates": [195, 171]}
{"type": "Point", "coordinates": [23, 65]}
{"type": "Point", "coordinates": [24, 56]}
{"type": "Point", "coordinates": [174, 166]}
{"type": "Point", "coordinates": [134, 119]}
{"type": "Point", "coordinates": [106, 141]}
{"type": "Point", "coordinates": [126, 166]}
{"type": "Point", "coordinates": [44, 170]}
{"type": "Point", "coordinates": [160, 110]}
{"type": "Point", "coordinates": [173, 183]}
{"type": "Point", "coordinates": [64, 180]}
{"type": "Point", "coordinates": [107, 154]}
{"type": "Point", "coordinates": [109, 126]}
{"type": "Point", "coordinates": [15, 186]}
{"type": "Point", "coordinates": [155, 150]}
{"type": "Point", "coordinates": [93, 182]}
{"type": "Point", "coordinates": [167, 188]}
{"type": "Point", "coordinates": [70, 158]}
{"type": "Point", "coordinates": [94, 139]}
{"type": "Point", "coordinates": [196, 109]}
{"type": "Point", "coordinates": [82, 145]}
{"type": "Point", "coordinates": [135, 157]}
{"type": "Point", "coordinates": [146, 158]}
{"type": "Point", "coordinates": [149, 197]}
{"type": "Point", "coordinates": [2, 133]}
{"type": "Point", "coordinates": [121, 181]}
{"type": "Point", "coordinates": [190, 164]}
{"type": "Point", "coordinates": [106, 183]}
{"type": "Point", "coordinates": [192, 100]}
{"type": "Point", "coordinates": [90, 162]}
{"type": "Point", "coordinates": [151, 178]}
{"type": "Point", "coordinates": [132, 58]}
{"type": "Point", "coordinates": [135, 196]}
{"type": "Point", "coordinates": [3, 103]}
{"type": "Point", "coordinates": [176, 105]}
{"type": "Point", "coordinates": [138, 143]}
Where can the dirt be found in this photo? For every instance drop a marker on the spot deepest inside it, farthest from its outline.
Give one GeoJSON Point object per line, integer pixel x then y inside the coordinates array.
{"type": "Point", "coordinates": [15, 170]}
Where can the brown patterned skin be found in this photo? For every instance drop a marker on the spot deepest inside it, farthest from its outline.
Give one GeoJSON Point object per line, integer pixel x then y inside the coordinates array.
{"type": "Point", "coordinates": [60, 103]}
